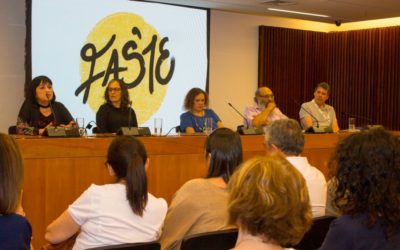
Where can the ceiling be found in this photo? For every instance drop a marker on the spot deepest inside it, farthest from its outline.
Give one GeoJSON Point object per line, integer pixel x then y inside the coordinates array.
{"type": "Point", "coordinates": [339, 11]}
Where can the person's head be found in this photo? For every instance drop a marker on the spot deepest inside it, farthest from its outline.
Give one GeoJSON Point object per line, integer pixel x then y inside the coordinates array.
{"type": "Point", "coordinates": [286, 136]}
{"type": "Point", "coordinates": [128, 159]}
{"type": "Point", "coordinates": [11, 175]}
{"type": "Point", "coordinates": [117, 94]}
{"type": "Point", "coordinates": [367, 166]}
{"type": "Point", "coordinates": [321, 93]}
{"type": "Point", "coordinates": [41, 90]}
{"type": "Point", "coordinates": [223, 152]}
{"type": "Point", "coordinates": [263, 96]}
{"type": "Point", "coordinates": [196, 100]}
{"type": "Point", "coordinates": [269, 199]}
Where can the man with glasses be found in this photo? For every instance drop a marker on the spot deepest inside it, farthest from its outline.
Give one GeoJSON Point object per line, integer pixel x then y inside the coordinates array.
{"type": "Point", "coordinates": [264, 109]}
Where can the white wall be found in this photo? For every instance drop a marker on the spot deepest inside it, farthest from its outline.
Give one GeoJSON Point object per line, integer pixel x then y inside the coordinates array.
{"type": "Point", "coordinates": [12, 71]}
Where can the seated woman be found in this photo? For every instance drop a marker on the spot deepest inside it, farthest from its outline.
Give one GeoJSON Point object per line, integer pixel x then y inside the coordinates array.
{"type": "Point", "coordinates": [38, 107]}
{"type": "Point", "coordinates": [193, 121]}
{"type": "Point", "coordinates": [111, 214]}
{"type": "Point", "coordinates": [116, 112]}
{"type": "Point", "coordinates": [269, 203]}
{"type": "Point", "coordinates": [15, 230]}
{"type": "Point", "coordinates": [367, 192]}
{"type": "Point", "coordinates": [201, 205]}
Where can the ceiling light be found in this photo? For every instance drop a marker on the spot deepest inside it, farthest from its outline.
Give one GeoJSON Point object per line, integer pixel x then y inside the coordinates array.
{"type": "Point", "coordinates": [298, 12]}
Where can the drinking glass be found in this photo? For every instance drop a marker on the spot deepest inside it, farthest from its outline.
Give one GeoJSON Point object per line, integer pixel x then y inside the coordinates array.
{"type": "Point", "coordinates": [80, 122]}
{"type": "Point", "coordinates": [352, 124]}
{"type": "Point", "coordinates": [208, 125]}
{"type": "Point", "coordinates": [158, 126]}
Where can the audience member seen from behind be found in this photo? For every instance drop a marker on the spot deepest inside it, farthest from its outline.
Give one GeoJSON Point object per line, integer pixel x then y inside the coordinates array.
{"type": "Point", "coordinates": [15, 230]}
{"type": "Point", "coordinates": [367, 193]}
{"type": "Point", "coordinates": [37, 110]}
{"type": "Point", "coordinates": [123, 212]}
{"type": "Point", "coordinates": [116, 112]}
{"type": "Point", "coordinates": [193, 121]}
{"type": "Point", "coordinates": [264, 109]}
{"type": "Point", "coordinates": [201, 205]}
{"type": "Point", "coordinates": [316, 113]}
{"type": "Point", "coordinates": [285, 137]}
{"type": "Point", "coordinates": [269, 203]}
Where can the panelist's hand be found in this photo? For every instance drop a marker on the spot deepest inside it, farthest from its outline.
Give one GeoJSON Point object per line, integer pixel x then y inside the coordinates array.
{"type": "Point", "coordinates": [69, 125]}
{"type": "Point", "coordinates": [270, 106]}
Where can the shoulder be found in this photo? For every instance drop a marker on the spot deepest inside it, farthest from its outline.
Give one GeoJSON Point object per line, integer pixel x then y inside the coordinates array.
{"type": "Point", "coordinates": [158, 202]}
{"type": "Point", "coordinates": [192, 187]}
{"type": "Point", "coordinates": [104, 107]}
{"type": "Point", "coordinates": [27, 104]}
{"type": "Point", "coordinates": [329, 107]}
{"type": "Point", "coordinates": [350, 223]}
{"type": "Point", "coordinates": [211, 113]}
{"type": "Point", "coordinates": [186, 115]}
{"type": "Point", "coordinates": [307, 104]}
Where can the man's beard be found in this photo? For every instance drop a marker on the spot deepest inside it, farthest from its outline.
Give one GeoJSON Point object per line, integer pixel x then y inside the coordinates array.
{"type": "Point", "coordinates": [262, 104]}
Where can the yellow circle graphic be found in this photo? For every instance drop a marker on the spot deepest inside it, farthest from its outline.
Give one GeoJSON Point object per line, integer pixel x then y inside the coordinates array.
{"type": "Point", "coordinates": [120, 29]}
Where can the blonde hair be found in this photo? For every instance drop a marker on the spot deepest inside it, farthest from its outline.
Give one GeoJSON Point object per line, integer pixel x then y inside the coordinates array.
{"type": "Point", "coordinates": [269, 198]}
{"type": "Point", "coordinates": [11, 174]}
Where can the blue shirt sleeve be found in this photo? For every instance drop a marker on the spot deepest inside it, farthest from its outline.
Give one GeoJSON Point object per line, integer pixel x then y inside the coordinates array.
{"type": "Point", "coordinates": [186, 121]}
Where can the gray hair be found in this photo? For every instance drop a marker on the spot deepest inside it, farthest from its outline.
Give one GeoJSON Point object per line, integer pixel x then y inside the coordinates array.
{"type": "Point", "coordinates": [286, 135]}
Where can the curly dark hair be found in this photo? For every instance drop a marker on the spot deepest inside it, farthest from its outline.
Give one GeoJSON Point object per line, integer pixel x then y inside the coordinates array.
{"type": "Point", "coordinates": [367, 166]}
{"type": "Point", "coordinates": [189, 99]}
{"type": "Point", "coordinates": [125, 100]}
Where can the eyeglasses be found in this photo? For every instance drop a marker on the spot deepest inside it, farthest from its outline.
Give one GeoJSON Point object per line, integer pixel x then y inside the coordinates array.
{"type": "Point", "coordinates": [114, 89]}
{"type": "Point", "coordinates": [266, 96]}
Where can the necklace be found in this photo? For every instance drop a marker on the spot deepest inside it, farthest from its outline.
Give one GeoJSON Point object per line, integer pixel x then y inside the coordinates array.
{"type": "Point", "coordinates": [201, 128]}
{"type": "Point", "coordinates": [199, 119]}
{"type": "Point", "coordinates": [43, 106]}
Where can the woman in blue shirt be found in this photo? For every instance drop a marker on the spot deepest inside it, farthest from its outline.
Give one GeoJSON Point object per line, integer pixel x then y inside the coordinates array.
{"type": "Point", "coordinates": [193, 121]}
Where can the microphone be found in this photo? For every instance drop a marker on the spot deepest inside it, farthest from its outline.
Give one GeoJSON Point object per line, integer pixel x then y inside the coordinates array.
{"type": "Point", "coordinates": [312, 116]}
{"type": "Point", "coordinates": [246, 131]}
{"type": "Point", "coordinates": [52, 110]}
{"type": "Point", "coordinates": [129, 115]}
{"type": "Point", "coordinates": [237, 111]}
{"type": "Point", "coordinates": [312, 129]}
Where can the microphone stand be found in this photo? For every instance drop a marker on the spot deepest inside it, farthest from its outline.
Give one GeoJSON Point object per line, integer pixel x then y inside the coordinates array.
{"type": "Point", "coordinates": [246, 131]}
{"type": "Point", "coordinates": [129, 115]}
{"type": "Point", "coordinates": [312, 129]}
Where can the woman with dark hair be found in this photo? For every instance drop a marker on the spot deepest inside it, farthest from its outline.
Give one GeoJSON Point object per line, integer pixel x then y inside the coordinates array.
{"type": "Point", "coordinates": [201, 205]}
{"type": "Point", "coordinates": [193, 121]}
{"type": "Point", "coordinates": [367, 192]}
{"type": "Point", "coordinates": [111, 214]}
{"type": "Point", "coordinates": [116, 112]}
{"type": "Point", "coordinates": [15, 230]}
{"type": "Point", "coordinates": [38, 107]}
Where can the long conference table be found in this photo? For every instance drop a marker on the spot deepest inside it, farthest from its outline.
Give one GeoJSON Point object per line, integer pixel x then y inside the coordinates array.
{"type": "Point", "coordinates": [58, 170]}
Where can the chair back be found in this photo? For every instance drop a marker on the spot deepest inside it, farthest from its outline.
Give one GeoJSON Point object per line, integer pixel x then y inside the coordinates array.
{"type": "Point", "coordinates": [217, 240]}
{"type": "Point", "coordinates": [154, 245]}
{"type": "Point", "coordinates": [314, 238]}
{"type": "Point", "coordinates": [12, 130]}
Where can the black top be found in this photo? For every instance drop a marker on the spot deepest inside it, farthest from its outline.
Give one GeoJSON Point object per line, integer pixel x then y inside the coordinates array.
{"type": "Point", "coordinates": [15, 232]}
{"type": "Point", "coordinates": [109, 119]}
{"type": "Point", "coordinates": [30, 114]}
{"type": "Point", "coordinates": [352, 233]}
